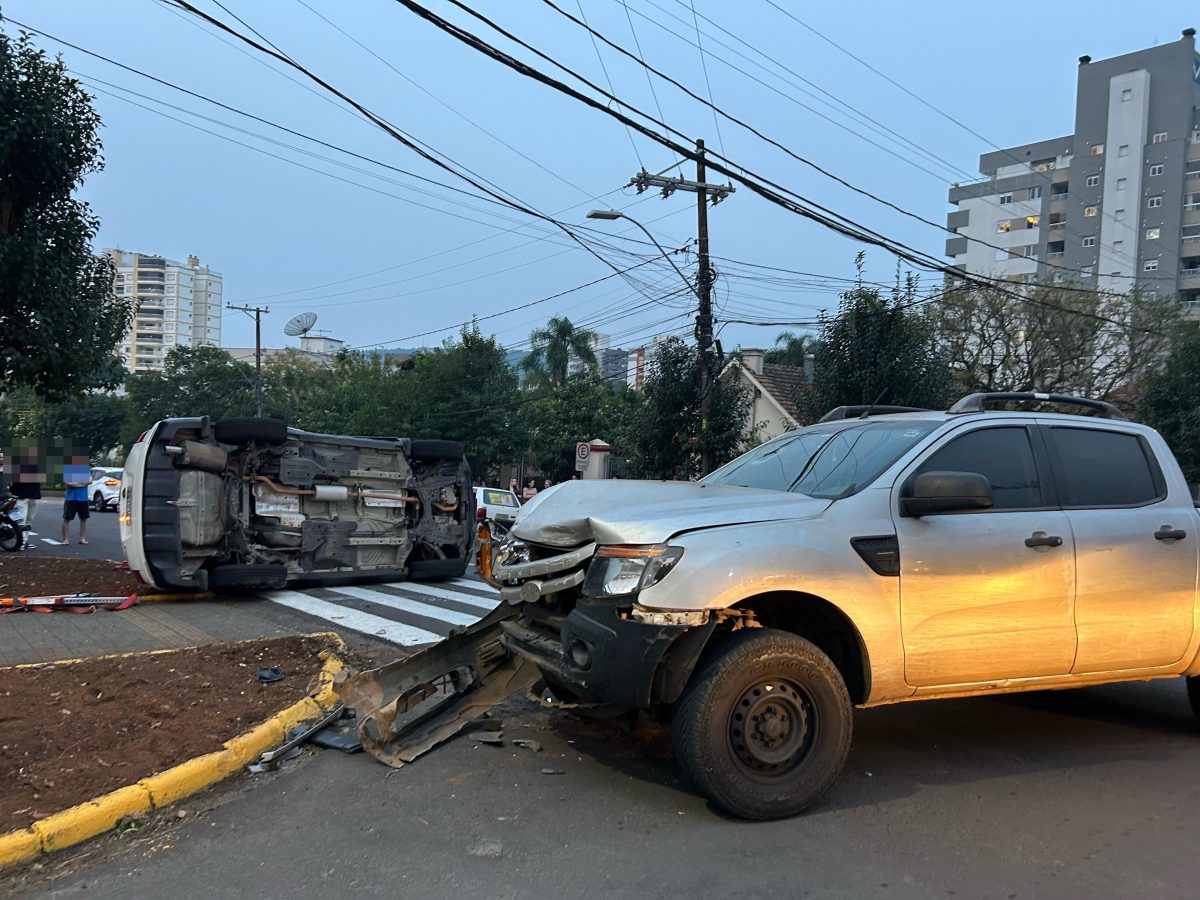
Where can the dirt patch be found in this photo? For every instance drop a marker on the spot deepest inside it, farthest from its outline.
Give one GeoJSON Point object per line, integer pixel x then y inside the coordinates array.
{"type": "Point", "coordinates": [71, 732]}
{"type": "Point", "coordinates": [27, 575]}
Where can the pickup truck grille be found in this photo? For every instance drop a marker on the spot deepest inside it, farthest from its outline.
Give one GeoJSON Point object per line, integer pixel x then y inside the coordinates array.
{"type": "Point", "coordinates": [538, 571]}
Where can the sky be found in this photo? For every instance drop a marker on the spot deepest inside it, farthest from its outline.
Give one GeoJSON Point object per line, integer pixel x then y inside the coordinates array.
{"type": "Point", "coordinates": [386, 259]}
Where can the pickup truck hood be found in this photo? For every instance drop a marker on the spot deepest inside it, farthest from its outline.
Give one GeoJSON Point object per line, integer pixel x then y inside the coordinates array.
{"type": "Point", "coordinates": [649, 512]}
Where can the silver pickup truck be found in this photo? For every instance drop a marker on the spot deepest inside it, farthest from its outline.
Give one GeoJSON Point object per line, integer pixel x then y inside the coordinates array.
{"type": "Point", "coordinates": [863, 560]}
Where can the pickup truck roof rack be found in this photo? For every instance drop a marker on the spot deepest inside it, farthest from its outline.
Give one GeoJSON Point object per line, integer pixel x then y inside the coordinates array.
{"type": "Point", "coordinates": [854, 412]}
{"type": "Point", "coordinates": [973, 403]}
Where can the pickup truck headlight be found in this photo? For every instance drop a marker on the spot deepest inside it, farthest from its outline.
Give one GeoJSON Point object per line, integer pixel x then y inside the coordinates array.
{"type": "Point", "coordinates": [620, 570]}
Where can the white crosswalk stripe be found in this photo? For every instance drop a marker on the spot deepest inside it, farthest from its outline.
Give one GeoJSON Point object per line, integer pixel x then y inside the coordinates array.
{"type": "Point", "coordinates": [407, 613]}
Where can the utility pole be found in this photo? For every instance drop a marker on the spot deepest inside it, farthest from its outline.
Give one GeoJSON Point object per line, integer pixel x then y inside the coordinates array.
{"type": "Point", "coordinates": [704, 277]}
{"type": "Point", "coordinates": [256, 312]}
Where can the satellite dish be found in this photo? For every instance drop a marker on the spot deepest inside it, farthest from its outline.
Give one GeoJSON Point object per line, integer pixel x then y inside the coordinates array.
{"type": "Point", "coordinates": [300, 325]}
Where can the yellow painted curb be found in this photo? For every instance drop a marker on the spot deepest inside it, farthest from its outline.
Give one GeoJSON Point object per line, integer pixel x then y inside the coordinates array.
{"type": "Point", "coordinates": [93, 817]}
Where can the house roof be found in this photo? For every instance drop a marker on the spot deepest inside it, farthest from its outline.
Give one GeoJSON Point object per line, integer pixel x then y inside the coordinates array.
{"type": "Point", "coordinates": [784, 384]}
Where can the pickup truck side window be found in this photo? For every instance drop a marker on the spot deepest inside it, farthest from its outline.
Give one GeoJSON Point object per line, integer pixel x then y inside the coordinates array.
{"type": "Point", "coordinates": [1003, 456]}
{"type": "Point", "coordinates": [1104, 468]}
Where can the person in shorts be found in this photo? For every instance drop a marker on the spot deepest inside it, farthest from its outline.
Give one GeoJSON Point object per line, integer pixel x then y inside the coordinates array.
{"type": "Point", "coordinates": [77, 475]}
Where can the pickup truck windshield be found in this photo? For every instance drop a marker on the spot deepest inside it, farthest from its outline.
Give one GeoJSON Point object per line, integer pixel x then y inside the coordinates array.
{"type": "Point", "coordinates": [822, 461]}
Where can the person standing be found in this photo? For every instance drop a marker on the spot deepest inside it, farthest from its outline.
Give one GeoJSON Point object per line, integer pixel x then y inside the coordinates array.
{"type": "Point", "coordinates": [26, 486]}
{"type": "Point", "coordinates": [77, 476]}
{"type": "Point", "coordinates": [529, 491]}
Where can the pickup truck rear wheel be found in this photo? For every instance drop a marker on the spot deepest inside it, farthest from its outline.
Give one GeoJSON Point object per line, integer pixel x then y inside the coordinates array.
{"type": "Point", "coordinates": [1193, 685]}
{"type": "Point", "coordinates": [765, 727]}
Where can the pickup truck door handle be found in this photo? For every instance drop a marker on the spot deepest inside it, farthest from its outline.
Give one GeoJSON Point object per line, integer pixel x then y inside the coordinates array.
{"type": "Point", "coordinates": [1167, 533]}
{"type": "Point", "coordinates": [1041, 539]}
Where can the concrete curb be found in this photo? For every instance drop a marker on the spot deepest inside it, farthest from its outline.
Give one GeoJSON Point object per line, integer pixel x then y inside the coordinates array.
{"type": "Point", "coordinates": [93, 817]}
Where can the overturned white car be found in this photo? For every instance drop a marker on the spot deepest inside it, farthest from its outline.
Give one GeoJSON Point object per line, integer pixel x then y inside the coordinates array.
{"type": "Point", "coordinates": [251, 503]}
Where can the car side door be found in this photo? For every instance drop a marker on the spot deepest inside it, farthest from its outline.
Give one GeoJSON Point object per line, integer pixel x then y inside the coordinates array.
{"type": "Point", "coordinates": [1135, 548]}
{"type": "Point", "coordinates": [987, 595]}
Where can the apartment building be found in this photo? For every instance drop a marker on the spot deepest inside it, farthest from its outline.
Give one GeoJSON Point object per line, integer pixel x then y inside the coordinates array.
{"type": "Point", "coordinates": [177, 304]}
{"type": "Point", "coordinates": [1116, 203]}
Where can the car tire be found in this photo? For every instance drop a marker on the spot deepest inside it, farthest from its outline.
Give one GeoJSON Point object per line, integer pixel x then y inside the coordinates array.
{"type": "Point", "coordinates": [247, 576]}
{"type": "Point", "coordinates": [433, 450]}
{"type": "Point", "coordinates": [802, 711]}
{"type": "Point", "coordinates": [1193, 689]}
{"type": "Point", "coordinates": [436, 569]}
{"type": "Point", "coordinates": [251, 428]}
{"type": "Point", "coordinates": [98, 502]}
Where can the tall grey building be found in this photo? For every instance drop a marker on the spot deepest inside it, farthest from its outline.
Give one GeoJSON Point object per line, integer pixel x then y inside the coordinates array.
{"type": "Point", "coordinates": [177, 304]}
{"type": "Point", "coordinates": [1116, 203]}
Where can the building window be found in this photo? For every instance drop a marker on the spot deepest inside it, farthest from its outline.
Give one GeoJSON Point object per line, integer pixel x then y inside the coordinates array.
{"type": "Point", "coordinates": [1089, 241]}
{"type": "Point", "coordinates": [1123, 150]}
{"type": "Point", "coordinates": [1097, 150]}
{"type": "Point", "coordinates": [1089, 211]}
{"type": "Point", "coordinates": [1002, 226]}
{"type": "Point", "coordinates": [1126, 95]}
{"type": "Point", "coordinates": [1032, 221]}
{"type": "Point", "coordinates": [1122, 183]}
{"type": "Point", "coordinates": [1035, 193]}
{"type": "Point", "coordinates": [1154, 202]}
{"type": "Point", "coordinates": [1006, 198]}
{"type": "Point", "coordinates": [1092, 180]}
{"type": "Point", "coordinates": [1150, 265]}
{"type": "Point", "coordinates": [1086, 272]}
{"type": "Point", "coordinates": [1153, 233]}
{"type": "Point", "coordinates": [1159, 138]}
{"type": "Point", "coordinates": [1031, 250]}
{"type": "Point", "coordinates": [1156, 170]}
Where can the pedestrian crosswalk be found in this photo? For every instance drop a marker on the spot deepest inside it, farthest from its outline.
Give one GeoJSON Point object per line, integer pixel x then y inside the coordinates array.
{"type": "Point", "coordinates": [408, 613]}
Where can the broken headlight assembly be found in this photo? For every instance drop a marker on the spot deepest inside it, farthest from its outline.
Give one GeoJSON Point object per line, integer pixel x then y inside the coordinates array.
{"type": "Point", "coordinates": [621, 570]}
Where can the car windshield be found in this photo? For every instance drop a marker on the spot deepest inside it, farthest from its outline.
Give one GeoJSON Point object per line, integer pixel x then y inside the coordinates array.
{"type": "Point", "coordinates": [827, 462]}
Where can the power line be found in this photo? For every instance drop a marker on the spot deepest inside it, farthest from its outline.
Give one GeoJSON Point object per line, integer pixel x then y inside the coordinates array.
{"type": "Point", "coordinates": [641, 56]}
{"type": "Point", "coordinates": [707, 82]}
{"type": "Point", "coordinates": [608, 78]}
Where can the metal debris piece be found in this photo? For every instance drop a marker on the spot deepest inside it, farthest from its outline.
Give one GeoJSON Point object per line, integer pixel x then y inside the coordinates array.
{"type": "Point", "coordinates": [495, 738]}
{"type": "Point", "coordinates": [554, 771]}
{"type": "Point", "coordinates": [296, 737]}
{"type": "Point", "coordinates": [528, 744]}
{"type": "Point", "coordinates": [410, 706]}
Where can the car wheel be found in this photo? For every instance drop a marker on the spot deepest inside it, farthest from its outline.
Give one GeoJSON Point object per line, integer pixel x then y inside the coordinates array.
{"type": "Point", "coordinates": [247, 576]}
{"type": "Point", "coordinates": [764, 728]}
{"type": "Point", "coordinates": [11, 537]}
{"type": "Point", "coordinates": [1193, 688]}
{"type": "Point", "coordinates": [250, 428]}
{"type": "Point", "coordinates": [431, 450]}
{"type": "Point", "coordinates": [98, 502]}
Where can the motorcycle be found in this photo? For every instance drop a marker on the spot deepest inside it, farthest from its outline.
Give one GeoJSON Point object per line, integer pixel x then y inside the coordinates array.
{"type": "Point", "coordinates": [12, 526]}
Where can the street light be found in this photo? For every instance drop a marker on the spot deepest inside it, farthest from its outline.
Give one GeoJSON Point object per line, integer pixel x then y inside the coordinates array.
{"type": "Point", "coordinates": [610, 214]}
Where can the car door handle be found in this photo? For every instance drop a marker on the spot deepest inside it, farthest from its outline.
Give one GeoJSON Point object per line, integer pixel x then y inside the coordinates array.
{"type": "Point", "coordinates": [1041, 539]}
{"type": "Point", "coordinates": [1167, 533]}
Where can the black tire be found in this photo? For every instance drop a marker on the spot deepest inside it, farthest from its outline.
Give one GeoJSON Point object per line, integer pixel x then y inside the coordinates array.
{"type": "Point", "coordinates": [12, 536]}
{"type": "Point", "coordinates": [1193, 686]}
{"type": "Point", "coordinates": [251, 428]}
{"type": "Point", "coordinates": [98, 502]}
{"type": "Point", "coordinates": [259, 576]}
{"type": "Point", "coordinates": [803, 713]}
{"type": "Point", "coordinates": [433, 450]}
{"type": "Point", "coordinates": [436, 569]}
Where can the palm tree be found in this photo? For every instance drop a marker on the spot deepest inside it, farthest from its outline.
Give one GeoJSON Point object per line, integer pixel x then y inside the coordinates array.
{"type": "Point", "coordinates": [552, 347]}
{"type": "Point", "coordinates": [791, 348]}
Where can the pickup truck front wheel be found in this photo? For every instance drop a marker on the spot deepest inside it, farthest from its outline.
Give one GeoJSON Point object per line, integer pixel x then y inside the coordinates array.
{"type": "Point", "coordinates": [764, 728]}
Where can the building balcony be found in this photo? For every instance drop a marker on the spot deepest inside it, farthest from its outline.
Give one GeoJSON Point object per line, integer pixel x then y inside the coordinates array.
{"type": "Point", "coordinates": [1057, 254]}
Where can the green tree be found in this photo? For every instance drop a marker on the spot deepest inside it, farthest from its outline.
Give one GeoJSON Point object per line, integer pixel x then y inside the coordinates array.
{"type": "Point", "coordinates": [59, 321]}
{"type": "Point", "coordinates": [582, 409]}
{"type": "Point", "coordinates": [194, 381]}
{"type": "Point", "coordinates": [358, 394]}
{"type": "Point", "coordinates": [1171, 401]}
{"type": "Point", "coordinates": [464, 391]}
{"type": "Point", "coordinates": [664, 438]}
{"type": "Point", "coordinates": [877, 348]}
{"type": "Point", "coordinates": [552, 347]}
{"type": "Point", "coordinates": [791, 349]}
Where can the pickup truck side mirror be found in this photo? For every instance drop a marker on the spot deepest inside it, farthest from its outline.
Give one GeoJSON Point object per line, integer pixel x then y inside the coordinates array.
{"type": "Point", "coordinates": [940, 492]}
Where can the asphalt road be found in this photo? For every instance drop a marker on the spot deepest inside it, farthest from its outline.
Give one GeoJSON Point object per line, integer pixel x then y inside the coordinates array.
{"type": "Point", "coordinates": [104, 538]}
{"type": "Point", "coordinates": [1080, 793]}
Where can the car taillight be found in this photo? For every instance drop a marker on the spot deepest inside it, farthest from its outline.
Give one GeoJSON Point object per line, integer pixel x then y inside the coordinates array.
{"type": "Point", "coordinates": [481, 513]}
{"type": "Point", "coordinates": [112, 482]}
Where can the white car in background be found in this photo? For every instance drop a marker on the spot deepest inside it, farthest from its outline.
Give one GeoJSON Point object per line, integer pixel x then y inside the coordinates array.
{"type": "Point", "coordinates": [104, 492]}
{"type": "Point", "coordinates": [497, 505]}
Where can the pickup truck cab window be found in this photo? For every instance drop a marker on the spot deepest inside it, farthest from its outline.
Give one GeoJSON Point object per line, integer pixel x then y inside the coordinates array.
{"type": "Point", "coordinates": [1004, 456]}
{"type": "Point", "coordinates": [827, 462]}
{"type": "Point", "coordinates": [1104, 468]}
